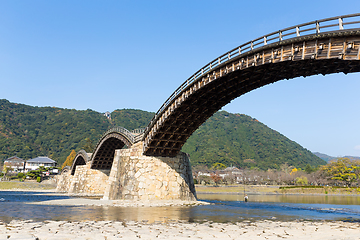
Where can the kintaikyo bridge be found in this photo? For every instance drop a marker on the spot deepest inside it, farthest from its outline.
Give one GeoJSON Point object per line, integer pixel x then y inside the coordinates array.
{"type": "Point", "coordinates": [152, 166]}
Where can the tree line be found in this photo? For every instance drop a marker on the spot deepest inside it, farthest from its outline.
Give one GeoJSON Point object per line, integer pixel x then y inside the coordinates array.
{"type": "Point", "coordinates": [232, 139]}
{"type": "Point", "coordinates": [341, 172]}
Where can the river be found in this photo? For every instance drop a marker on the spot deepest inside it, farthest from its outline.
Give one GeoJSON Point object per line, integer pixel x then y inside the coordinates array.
{"type": "Point", "coordinates": [224, 208]}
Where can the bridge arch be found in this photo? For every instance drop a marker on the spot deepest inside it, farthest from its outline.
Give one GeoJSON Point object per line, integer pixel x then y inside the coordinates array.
{"type": "Point", "coordinates": [325, 46]}
{"type": "Point", "coordinates": [114, 138]}
{"type": "Point", "coordinates": [81, 158]}
{"type": "Point", "coordinates": [65, 170]}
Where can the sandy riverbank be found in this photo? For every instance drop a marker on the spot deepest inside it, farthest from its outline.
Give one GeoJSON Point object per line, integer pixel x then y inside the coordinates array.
{"type": "Point", "coordinates": [264, 229]}
{"type": "Point", "coordinates": [51, 230]}
{"type": "Point", "coordinates": [94, 200]}
{"type": "Point", "coordinates": [119, 203]}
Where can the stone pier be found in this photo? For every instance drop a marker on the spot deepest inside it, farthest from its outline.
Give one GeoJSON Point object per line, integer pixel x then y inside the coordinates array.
{"type": "Point", "coordinates": [139, 177]}
{"type": "Point", "coordinates": [84, 181]}
{"type": "Point", "coordinates": [134, 176]}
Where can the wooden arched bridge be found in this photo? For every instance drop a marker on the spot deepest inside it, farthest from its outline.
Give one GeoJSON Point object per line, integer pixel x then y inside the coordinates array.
{"type": "Point", "coordinates": [325, 46]}
{"type": "Point", "coordinates": [112, 139]}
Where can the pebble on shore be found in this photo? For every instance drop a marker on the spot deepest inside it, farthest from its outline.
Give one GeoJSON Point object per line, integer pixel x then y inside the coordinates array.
{"type": "Point", "coordinates": [120, 203]}
{"type": "Point", "coordinates": [51, 230]}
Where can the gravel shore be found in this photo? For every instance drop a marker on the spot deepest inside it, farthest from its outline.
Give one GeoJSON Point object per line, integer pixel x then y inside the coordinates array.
{"type": "Point", "coordinates": [264, 229]}
{"type": "Point", "coordinates": [119, 203]}
{"type": "Point", "coordinates": [51, 230]}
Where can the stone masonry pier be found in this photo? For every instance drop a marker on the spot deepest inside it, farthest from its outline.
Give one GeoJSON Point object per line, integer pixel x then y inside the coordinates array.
{"type": "Point", "coordinates": [139, 177]}
{"type": "Point", "coordinates": [134, 176]}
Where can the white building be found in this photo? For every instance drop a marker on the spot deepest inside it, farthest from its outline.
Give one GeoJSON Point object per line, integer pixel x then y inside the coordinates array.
{"type": "Point", "coordinates": [15, 164]}
{"type": "Point", "coordinates": [35, 163]}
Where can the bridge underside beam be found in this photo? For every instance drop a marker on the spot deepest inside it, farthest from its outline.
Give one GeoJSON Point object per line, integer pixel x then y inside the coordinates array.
{"type": "Point", "coordinates": [104, 155]}
{"type": "Point", "coordinates": [173, 132]}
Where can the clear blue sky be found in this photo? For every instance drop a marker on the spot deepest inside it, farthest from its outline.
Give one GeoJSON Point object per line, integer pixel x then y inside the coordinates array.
{"type": "Point", "coordinates": [107, 55]}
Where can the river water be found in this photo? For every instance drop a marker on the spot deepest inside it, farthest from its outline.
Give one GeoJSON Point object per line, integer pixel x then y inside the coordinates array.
{"type": "Point", "coordinates": [224, 208]}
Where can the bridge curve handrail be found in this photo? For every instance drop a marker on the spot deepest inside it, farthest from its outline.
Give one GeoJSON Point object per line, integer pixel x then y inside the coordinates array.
{"type": "Point", "coordinates": [119, 129]}
{"type": "Point", "coordinates": [138, 131]}
{"type": "Point", "coordinates": [310, 28]}
{"type": "Point", "coordinates": [138, 134]}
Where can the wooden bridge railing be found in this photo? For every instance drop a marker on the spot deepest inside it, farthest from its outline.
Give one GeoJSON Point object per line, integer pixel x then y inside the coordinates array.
{"type": "Point", "coordinates": [338, 23]}
{"type": "Point", "coordinates": [126, 132]}
{"type": "Point", "coordinates": [138, 134]}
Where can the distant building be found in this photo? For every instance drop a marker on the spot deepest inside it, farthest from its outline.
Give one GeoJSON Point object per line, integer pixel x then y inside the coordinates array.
{"type": "Point", "coordinates": [233, 170]}
{"type": "Point", "coordinates": [15, 163]}
{"type": "Point", "coordinates": [108, 115]}
{"type": "Point", "coordinates": [35, 163]}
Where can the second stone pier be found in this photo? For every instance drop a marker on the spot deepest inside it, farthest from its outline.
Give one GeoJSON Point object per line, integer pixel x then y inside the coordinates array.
{"type": "Point", "coordinates": [139, 177]}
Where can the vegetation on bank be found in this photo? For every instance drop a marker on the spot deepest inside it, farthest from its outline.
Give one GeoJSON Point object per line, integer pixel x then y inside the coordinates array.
{"type": "Point", "coordinates": [7, 174]}
{"type": "Point", "coordinates": [231, 139]}
{"type": "Point", "coordinates": [342, 172]}
{"type": "Point", "coordinates": [275, 189]}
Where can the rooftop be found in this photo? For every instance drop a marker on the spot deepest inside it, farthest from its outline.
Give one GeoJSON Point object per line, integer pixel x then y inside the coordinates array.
{"type": "Point", "coordinates": [41, 159]}
{"type": "Point", "coordinates": [14, 158]}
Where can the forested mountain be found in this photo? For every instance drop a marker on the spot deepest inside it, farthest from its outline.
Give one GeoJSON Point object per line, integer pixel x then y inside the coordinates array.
{"type": "Point", "coordinates": [328, 158]}
{"type": "Point", "coordinates": [29, 132]}
{"type": "Point", "coordinates": [323, 156]}
{"type": "Point", "coordinates": [233, 139]}
{"type": "Point", "coordinates": [240, 140]}
{"type": "Point", "coordinates": [131, 119]}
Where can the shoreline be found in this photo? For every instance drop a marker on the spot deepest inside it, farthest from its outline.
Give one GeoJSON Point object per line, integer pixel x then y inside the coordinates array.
{"type": "Point", "coordinates": [302, 194]}
{"type": "Point", "coordinates": [265, 229]}
{"type": "Point", "coordinates": [81, 201]}
{"type": "Point", "coordinates": [93, 200]}
{"type": "Point", "coordinates": [199, 191]}
{"type": "Point", "coordinates": [275, 190]}
{"type": "Point", "coordinates": [168, 229]}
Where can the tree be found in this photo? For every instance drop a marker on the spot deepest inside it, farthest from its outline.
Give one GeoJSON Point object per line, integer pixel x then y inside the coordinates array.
{"type": "Point", "coordinates": [218, 166]}
{"type": "Point", "coordinates": [308, 169]}
{"type": "Point", "coordinates": [88, 146]}
{"type": "Point", "coordinates": [343, 170]}
{"type": "Point", "coordinates": [216, 178]}
{"type": "Point", "coordinates": [294, 170]}
{"type": "Point", "coordinates": [6, 169]}
{"type": "Point", "coordinates": [202, 179]}
{"type": "Point", "coordinates": [69, 160]}
{"type": "Point", "coordinates": [302, 181]}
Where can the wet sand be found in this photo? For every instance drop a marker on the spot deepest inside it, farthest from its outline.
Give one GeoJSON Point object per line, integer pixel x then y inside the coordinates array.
{"type": "Point", "coordinates": [119, 203]}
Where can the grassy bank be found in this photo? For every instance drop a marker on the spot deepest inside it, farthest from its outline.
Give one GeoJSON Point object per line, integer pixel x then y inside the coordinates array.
{"type": "Point", "coordinates": [27, 185]}
{"type": "Point", "coordinates": [233, 189]}
{"type": "Point", "coordinates": [259, 189]}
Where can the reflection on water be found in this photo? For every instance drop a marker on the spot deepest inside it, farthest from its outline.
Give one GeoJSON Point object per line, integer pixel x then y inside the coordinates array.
{"type": "Point", "coordinates": [224, 208]}
{"type": "Point", "coordinates": [11, 211]}
{"type": "Point", "coordinates": [147, 214]}
{"type": "Point", "coordinates": [285, 207]}
{"type": "Point", "coordinates": [315, 199]}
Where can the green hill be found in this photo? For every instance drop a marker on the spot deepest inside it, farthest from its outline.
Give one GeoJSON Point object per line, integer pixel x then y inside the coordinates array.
{"type": "Point", "coordinates": [240, 140]}
{"type": "Point", "coordinates": [131, 119]}
{"type": "Point", "coordinates": [328, 158]}
{"type": "Point", "coordinates": [324, 157]}
{"type": "Point", "coordinates": [232, 139]}
{"type": "Point", "coordinates": [29, 132]}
